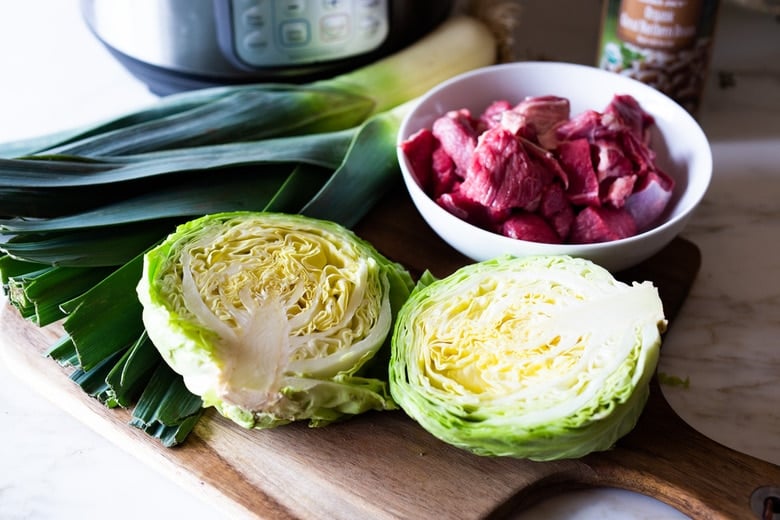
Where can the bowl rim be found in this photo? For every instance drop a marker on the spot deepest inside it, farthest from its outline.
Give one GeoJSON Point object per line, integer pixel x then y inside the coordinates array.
{"type": "Point", "coordinates": [700, 138]}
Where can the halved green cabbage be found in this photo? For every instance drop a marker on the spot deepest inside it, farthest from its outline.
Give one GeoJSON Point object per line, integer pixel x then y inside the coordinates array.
{"type": "Point", "coordinates": [540, 357]}
{"type": "Point", "coordinates": [273, 318]}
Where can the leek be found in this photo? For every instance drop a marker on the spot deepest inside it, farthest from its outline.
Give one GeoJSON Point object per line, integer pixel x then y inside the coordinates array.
{"type": "Point", "coordinates": [128, 378]}
{"type": "Point", "coordinates": [64, 352]}
{"type": "Point", "coordinates": [35, 187]}
{"type": "Point", "coordinates": [228, 114]}
{"type": "Point", "coordinates": [105, 319]}
{"type": "Point", "coordinates": [166, 409]}
{"type": "Point", "coordinates": [357, 167]}
{"type": "Point", "coordinates": [81, 171]}
{"type": "Point", "coordinates": [39, 293]}
{"type": "Point", "coordinates": [96, 198]}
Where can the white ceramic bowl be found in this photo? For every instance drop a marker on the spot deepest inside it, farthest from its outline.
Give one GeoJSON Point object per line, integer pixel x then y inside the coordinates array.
{"type": "Point", "coordinates": [682, 150]}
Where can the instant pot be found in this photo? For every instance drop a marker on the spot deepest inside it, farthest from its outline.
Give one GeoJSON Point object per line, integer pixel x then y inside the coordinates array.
{"type": "Point", "coordinates": [175, 45]}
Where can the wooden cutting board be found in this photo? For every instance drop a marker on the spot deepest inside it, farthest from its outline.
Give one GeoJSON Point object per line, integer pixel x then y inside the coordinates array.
{"type": "Point", "coordinates": [383, 465]}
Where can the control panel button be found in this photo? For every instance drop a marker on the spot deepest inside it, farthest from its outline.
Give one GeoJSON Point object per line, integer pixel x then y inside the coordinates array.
{"type": "Point", "coordinates": [293, 8]}
{"type": "Point", "coordinates": [369, 26]}
{"type": "Point", "coordinates": [256, 40]}
{"type": "Point", "coordinates": [333, 5]}
{"type": "Point", "coordinates": [294, 33]}
{"type": "Point", "coordinates": [255, 17]}
{"type": "Point", "coordinates": [272, 33]}
{"type": "Point", "coordinates": [334, 27]}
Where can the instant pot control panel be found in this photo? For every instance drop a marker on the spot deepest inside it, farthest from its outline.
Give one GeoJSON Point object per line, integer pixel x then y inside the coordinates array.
{"type": "Point", "coordinates": [277, 33]}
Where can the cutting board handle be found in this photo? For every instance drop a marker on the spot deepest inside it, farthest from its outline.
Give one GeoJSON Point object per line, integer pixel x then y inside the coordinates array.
{"type": "Point", "coordinates": [665, 458]}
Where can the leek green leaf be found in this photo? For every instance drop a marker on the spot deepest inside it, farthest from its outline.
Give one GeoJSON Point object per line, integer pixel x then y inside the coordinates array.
{"type": "Point", "coordinates": [39, 294]}
{"type": "Point", "coordinates": [369, 168]}
{"type": "Point", "coordinates": [65, 171]}
{"type": "Point", "coordinates": [99, 322]}
{"type": "Point", "coordinates": [127, 379]}
{"type": "Point", "coordinates": [109, 246]}
{"type": "Point", "coordinates": [166, 409]}
{"type": "Point", "coordinates": [233, 117]}
{"type": "Point", "coordinates": [245, 188]}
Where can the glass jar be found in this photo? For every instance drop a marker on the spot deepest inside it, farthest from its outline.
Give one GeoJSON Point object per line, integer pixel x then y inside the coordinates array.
{"type": "Point", "coordinates": [664, 43]}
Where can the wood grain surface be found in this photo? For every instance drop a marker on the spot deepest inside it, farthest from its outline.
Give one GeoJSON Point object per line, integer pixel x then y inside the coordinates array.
{"type": "Point", "coordinates": [383, 465]}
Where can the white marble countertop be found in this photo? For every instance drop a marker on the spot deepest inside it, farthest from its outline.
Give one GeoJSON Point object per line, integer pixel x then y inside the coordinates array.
{"type": "Point", "coordinates": [55, 75]}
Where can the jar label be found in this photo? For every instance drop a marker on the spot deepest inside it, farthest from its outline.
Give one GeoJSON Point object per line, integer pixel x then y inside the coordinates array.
{"type": "Point", "coordinates": [659, 24]}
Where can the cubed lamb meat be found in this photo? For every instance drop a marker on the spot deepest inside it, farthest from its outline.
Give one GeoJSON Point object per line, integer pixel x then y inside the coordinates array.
{"type": "Point", "coordinates": [443, 174]}
{"type": "Point", "coordinates": [492, 115]}
{"type": "Point", "coordinates": [531, 227]}
{"type": "Point", "coordinates": [624, 112]}
{"type": "Point", "coordinates": [586, 125]}
{"type": "Point", "coordinates": [649, 199]}
{"type": "Point", "coordinates": [501, 175]}
{"type": "Point", "coordinates": [641, 155]}
{"type": "Point", "coordinates": [556, 209]}
{"type": "Point", "coordinates": [543, 114]}
{"type": "Point", "coordinates": [615, 191]}
{"type": "Point", "coordinates": [577, 161]}
{"type": "Point", "coordinates": [457, 133]}
{"type": "Point", "coordinates": [472, 212]}
{"type": "Point", "coordinates": [599, 224]}
{"type": "Point", "coordinates": [611, 160]}
{"type": "Point", "coordinates": [418, 149]}
{"type": "Point", "coordinates": [530, 171]}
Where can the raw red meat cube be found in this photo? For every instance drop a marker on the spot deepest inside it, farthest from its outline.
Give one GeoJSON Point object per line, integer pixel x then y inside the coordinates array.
{"type": "Point", "coordinates": [599, 224]}
{"type": "Point", "coordinates": [501, 176]}
{"type": "Point", "coordinates": [443, 176]}
{"type": "Point", "coordinates": [472, 212]}
{"type": "Point", "coordinates": [491, 116]}
{"type": "Point", "coordinates": [611, 160]}
{"type": "Point", "coordinates": [650, 198]}
{"type": "Point", "coordinates": [577, 162]}
{"type": "Point", "coordinates": [557, 210]}
{"type": "Point", "coordinates": [418, 149]}
{"type": "Point", "coordinates": [624, 113]}
{"type": "Point", "coordinates": [615, 192]}
{"type": "Point", "coordinates": [543, 115]}
{"type": "Point", "coordinates": [457, 134]}
{"type": "Point", "coordinates": [531, 227]}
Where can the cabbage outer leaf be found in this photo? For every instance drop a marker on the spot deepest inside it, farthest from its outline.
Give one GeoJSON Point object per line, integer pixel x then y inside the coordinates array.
{"type": "Point", "coordinates": [273, 318]}
{"type": "Point", "coordinates": [542, 358]}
